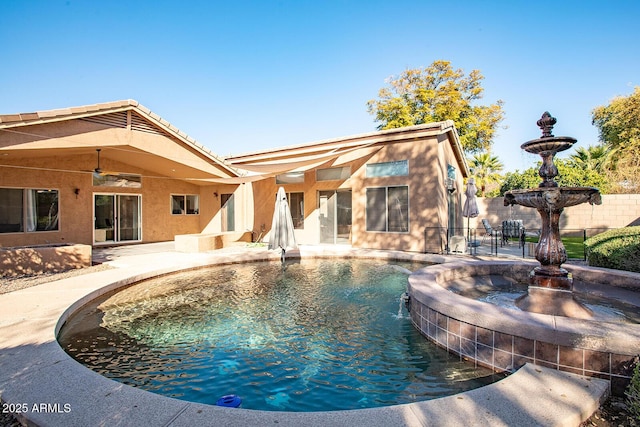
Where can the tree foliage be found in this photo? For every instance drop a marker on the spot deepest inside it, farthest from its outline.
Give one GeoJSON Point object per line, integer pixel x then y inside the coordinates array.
{"type": "Point", "coordinates": [438, 93]}
{"type": "Point", "coordinates": [569, 175]}
{"type": "Point", "coordinates": [596, 157]}
{"type": "Point", "coordinates": [618, 125]}
{"type": "Point", "coordinates": [619, 122]}
{"type": "Point", "coordinates": [486, 170]}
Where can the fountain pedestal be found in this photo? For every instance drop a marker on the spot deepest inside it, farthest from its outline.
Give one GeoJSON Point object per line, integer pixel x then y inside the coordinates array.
{"type": "Point", "coordinates": [554, 302]}
{"type": "Point", "coordinates": [550, 286]}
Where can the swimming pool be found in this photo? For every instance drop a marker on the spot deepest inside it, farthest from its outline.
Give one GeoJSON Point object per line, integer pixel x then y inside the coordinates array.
{"type": "Point", "coordinates": [318, 335]}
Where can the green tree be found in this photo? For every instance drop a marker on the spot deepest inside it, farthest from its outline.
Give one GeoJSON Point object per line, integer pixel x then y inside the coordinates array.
{"type": "Point", "coordinates": [438, 93]}
{"type": "Point", "coordinates": [618, 124]}
{"type": "Point", "coordinates": [517, 180]}
{"type": "Point", "coordinates": [596, 157]}
{"type": "Point", "coordinates": [568, 176]}
{"type": "Point", "coordinates": [486, 170]}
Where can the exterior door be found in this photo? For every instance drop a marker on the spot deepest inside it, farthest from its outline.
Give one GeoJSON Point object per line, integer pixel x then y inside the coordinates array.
{"type": "Point", "coordinates": [228, 210]}
{"type": "Point", "coordinates": [117, 218]}
{"type": "Point", "coordinates": [335, 217]}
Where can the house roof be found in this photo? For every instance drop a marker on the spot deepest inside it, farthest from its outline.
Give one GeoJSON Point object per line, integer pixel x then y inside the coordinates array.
{"type": "Point", "coordinates": [151, 122]}
{"type": "Point", "coordinates": [243, 167]}
{"type": "Point", "coordinates": [306, 156]}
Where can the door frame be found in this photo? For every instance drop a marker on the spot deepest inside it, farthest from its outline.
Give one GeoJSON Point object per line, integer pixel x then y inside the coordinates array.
{"type": "Point", "coordinates": [100, 234]}
{"type": "Point", "coordinates": [334, 218]}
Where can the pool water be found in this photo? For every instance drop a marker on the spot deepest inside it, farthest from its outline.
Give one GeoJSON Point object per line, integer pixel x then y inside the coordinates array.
{"type": "Point", "coordinates": [504, 292]}
{"type": "Point", "coordinates": [316, 335]}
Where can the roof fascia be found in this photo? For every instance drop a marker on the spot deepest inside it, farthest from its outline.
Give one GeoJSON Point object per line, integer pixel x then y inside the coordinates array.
{"type": "Point", "coordinates": [456, 146]}
{"type": "Point", "coordinates": [323, 146]}
{"type": "Point", "coordinates": [72, 113]}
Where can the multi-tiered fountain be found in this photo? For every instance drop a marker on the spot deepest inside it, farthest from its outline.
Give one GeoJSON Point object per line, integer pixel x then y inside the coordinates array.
{"type": "Point", "coordinates": [550, 286]}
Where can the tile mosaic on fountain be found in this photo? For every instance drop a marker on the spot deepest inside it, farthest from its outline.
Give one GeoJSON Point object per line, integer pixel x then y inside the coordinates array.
{"type": "Point", "coordinates": [546, 352]}
{"type": "Point", "coordinates": [524, 347]}
{"type": "Point", "coordinates": [571, 358]}
{"type": "Point", "coordinates": [468, 331]}
{"type": "Point", "coordinates": [597, 361]}
{"type": "Point", "coordinates": [485, 336]}
{"type": "Point", "coordinates": [453, 342]}
{"type": "Point", "coordinates": [503, 341]}
{"type": "Point", "coordinates": [503, 360]}
{"type": "Point", "coordinates": [484, 354]}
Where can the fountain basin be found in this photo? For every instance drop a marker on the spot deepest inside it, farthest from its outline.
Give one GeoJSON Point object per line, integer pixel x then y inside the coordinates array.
{"type": "Point", "coordinates": [554, 197]}
{"type": "Point", "coordinates": [548, 144]}
{"type": "Point", "coordinates": [505, 339]}
{"type": "Point", "coordinates": [550, 200]}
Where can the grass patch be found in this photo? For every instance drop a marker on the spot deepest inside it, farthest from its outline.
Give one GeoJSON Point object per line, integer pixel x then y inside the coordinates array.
{"type": "Point", "coordinates": [574, 245]}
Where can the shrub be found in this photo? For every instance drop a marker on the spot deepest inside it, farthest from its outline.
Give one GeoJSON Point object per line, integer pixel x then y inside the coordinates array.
{"type": "Point", "coordinates": [633, 392]}
{"type": "Point", "coordinates": [618, 249]}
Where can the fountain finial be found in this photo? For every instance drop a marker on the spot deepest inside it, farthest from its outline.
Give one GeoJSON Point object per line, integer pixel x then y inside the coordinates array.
{"type": "Point", "coordinates": [546, 123]}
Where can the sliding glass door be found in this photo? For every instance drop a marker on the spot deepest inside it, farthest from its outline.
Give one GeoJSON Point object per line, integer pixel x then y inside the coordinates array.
{"type": "Point", "coordinates": [335, 217]}
{"type": "Point", "coordinates": [117, 218]}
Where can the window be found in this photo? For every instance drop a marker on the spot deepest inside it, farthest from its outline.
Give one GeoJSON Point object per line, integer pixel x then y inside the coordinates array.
{"type": "Point", "coordinates": [333, 174]}
{"type": "Point", "coordinates": [388, 209]}
{"type": "Point", "coordinates": [185, 204]}
{"type": "Point", "coordinates": [120, 180]}
{"type": "Point", "coordinates": [398, 168]}
{"type": "Point", "coordinates": [290, 178]}
{"type": "Point", "coordinates": [296, 205]}
{"type": "Point", "coordinates": [28, 210]}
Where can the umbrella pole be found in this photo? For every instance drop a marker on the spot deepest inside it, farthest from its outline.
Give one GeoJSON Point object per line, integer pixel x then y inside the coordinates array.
{"type": "Point", "coordinates": [282, 256]}
{"type": "Point", "coordinates": [469, 235]}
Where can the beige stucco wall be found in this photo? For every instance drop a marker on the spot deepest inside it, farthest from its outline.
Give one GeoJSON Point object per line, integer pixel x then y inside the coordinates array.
{"type": "Point", "coordinates": [29, 157]}
{"type": "Point", "coordinates": [428, 160]}
{"type": "Point", "coordinates": [76, 212]}
{"type": "Point", "coordinates": [43, 259]}
{"type": "Point", "coordinates": [67, 171]}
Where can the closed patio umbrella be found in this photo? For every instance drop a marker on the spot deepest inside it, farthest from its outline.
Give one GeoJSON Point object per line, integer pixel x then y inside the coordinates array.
{"type": "Point", "coordinates": [470, 208]}
{"type": "Point", "coordinates": [281, 235]}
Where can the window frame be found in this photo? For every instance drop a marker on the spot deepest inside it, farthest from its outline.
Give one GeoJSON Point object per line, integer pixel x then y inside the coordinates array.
{"type": "Point", "coordinates": [290, 178]}
{"type": "Point", "coordinates": [387, 209]}
{"type": "Point", "coordinates": [396, 168]}
{"type": "Point", "coordinates": [32, 225]}
{"type": "Point", "coordinates": [301, 219]}
{"type": "Point", "coordinates": [122, 180]}
{"type": "Point", "coordinates": [345, 173]}
{"type": "Point", "coordinates": [184, 206]}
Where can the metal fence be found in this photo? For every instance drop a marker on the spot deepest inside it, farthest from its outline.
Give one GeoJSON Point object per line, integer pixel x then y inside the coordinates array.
{"type": "Point", "coordinates": [443, 240]}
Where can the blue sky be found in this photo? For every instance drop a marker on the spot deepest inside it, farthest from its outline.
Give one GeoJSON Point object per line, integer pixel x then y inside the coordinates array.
{"type": "Point", "coordinates": [251, 75]}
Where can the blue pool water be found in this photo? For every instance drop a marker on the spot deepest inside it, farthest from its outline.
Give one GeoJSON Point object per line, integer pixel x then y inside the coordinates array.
{"type": "Point", "coordinates": [317, 335]}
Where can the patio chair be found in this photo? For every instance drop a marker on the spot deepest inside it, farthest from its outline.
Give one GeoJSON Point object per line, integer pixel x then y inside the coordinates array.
{"type": "Point", "coordinates": [514, 228]}
{"type": "Point", "coordinates": [511, 228]}
{"type": "Point", "coordinates": [489, 231]}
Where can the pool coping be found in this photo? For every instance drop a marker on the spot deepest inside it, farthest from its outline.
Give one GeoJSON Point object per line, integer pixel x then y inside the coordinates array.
{"type": "Point", "coordinates": [51, 389]}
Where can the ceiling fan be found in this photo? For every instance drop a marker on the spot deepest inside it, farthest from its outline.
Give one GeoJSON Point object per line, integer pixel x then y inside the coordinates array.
{"type": "Point", "coordinates": [98, 170]}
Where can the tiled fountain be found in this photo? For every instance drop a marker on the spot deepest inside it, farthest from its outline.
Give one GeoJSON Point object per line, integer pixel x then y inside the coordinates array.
{"type": "Point", "coordinates": [547, 325]}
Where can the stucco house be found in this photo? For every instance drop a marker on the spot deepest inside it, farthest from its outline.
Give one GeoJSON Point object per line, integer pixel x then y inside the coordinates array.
{"type": "Point", "coordinates": [116, 173]}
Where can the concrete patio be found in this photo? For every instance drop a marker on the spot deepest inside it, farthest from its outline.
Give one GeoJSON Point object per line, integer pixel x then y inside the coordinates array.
{"type": "Point", "coordinates": [48, 388]}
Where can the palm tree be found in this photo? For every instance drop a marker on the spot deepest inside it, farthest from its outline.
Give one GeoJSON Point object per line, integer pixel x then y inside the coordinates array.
{"type": "Point", "coordinates": [597, 158]}
{"type": "Point", "coordinates": [486, 170]}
